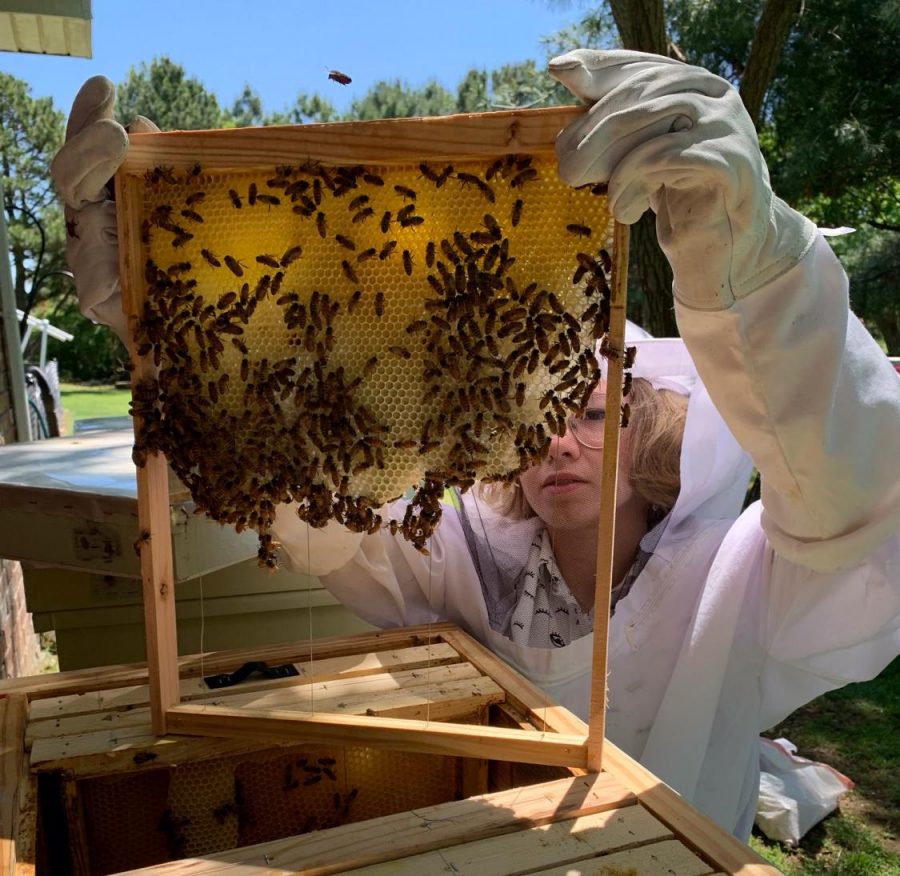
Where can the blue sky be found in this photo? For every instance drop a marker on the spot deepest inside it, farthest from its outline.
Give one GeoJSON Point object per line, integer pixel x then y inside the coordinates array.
{"type": "Point", "coordinates": [282, 47]}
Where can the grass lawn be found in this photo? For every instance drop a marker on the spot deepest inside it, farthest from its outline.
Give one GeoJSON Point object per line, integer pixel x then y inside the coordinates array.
{"type": "Point", "coordinates": [86, 402]}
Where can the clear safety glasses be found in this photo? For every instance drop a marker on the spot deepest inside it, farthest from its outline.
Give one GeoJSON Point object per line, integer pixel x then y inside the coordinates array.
{"type": "Point", "coordinates": [588, 430]}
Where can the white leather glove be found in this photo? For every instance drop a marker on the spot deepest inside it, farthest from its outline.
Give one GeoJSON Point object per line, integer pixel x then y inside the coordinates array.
{"type": "Point", "coordinates": [676, 139]}
{"type": "Point", "coordinates": [95, 147]}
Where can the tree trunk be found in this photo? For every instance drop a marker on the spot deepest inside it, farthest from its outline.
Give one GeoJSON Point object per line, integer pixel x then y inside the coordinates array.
{"type": "Point", "coordinates": [642, 27]}
{"type": "Point", "coordinates": [774, 25]}
{"type": "Point", "coordinates": [641, 24]}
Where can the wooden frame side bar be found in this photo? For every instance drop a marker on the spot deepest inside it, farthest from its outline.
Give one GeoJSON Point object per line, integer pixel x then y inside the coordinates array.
{"type": "Point", "coordinates": [606, 524]}
{"type": "Point", "coordinates": [12, 760]}
{"type": "Point", "coordinates": [387, 141]}
{"type": "Point", "coordinates": [427, 737]}
{"type": "Point", "coordinates": [154, 520]}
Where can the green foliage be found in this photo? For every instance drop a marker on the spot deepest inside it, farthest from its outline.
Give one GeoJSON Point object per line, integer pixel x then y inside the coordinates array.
{"type": "Point", "coordinates": [396, 99]}
{"type": "Point", "coordinates": [309, 108]}
{"type": "Point", "coordinates": [247, 110]}
{"type": "Point", "coordinates": [163, 92]}
{"type": "Point", "coordinates": [94, 354]}
{"type": "Point", "coordinates": [31, 132]}
{"type": "Point", "coordinates": [523, 85]}
{"type": "Point", "coordinates": [833, 109]}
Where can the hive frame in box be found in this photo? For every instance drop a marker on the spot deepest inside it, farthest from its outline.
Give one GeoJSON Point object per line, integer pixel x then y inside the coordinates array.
{"type": "Point", "coordinates": [488, 135]}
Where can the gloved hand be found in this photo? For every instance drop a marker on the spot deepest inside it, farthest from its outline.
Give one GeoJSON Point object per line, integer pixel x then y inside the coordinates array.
{"type": "Point", "coordinates": [676, 139]}
{"type": "Point", "coordinates": [95, 147]}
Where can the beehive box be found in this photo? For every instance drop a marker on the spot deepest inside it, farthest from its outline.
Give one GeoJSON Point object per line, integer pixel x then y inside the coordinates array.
{"type": "Point", "coordinates": [87, 788]}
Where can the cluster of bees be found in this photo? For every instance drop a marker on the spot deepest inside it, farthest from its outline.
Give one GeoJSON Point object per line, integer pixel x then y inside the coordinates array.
{"type": "Point", "coordinates": [336, 336]}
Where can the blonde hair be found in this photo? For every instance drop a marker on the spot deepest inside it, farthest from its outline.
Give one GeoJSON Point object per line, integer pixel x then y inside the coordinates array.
{"type": "Point", "coordinates": [653, 437]}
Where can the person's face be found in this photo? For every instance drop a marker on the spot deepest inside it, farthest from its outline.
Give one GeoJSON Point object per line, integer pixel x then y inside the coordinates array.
{"type": "Point", "coordinates": [564, 489]}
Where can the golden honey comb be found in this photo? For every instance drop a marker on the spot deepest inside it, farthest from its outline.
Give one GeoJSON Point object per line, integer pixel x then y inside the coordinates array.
{"type": "Point", "coordinates": [339, 335]}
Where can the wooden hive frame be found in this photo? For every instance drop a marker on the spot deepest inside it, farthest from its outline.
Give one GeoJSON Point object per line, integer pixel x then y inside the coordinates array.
{"type": "Point", "coordinates": [394, 141]}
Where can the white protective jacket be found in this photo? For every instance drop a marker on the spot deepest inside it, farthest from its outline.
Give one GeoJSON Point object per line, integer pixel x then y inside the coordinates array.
{"type": "Point", "coordinates": [733, 623]}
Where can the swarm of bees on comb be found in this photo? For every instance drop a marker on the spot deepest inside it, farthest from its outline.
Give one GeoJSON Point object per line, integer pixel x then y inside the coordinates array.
{"type": "Point", "coordinates": [338, 336]}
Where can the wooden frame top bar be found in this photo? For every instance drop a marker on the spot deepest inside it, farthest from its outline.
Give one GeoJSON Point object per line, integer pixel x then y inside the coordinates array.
{"type": "Point", "coordinates": [387, 141]}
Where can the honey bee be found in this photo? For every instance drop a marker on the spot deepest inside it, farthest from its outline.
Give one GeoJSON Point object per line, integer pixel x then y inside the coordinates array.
{"type": "Point", "coordinates": [493, 169]}
{"type": "Point", "coordinates": [379, 304]}
{"type": "Point", "coordinates": [429, 254]}
{"type": "Point", "coordinates": [234, 266]}
{"type": "Point", "coordinates": [523, 176]}
{"type": "Point", "coordinates": [358, 202]}
{"type": "Point", "coordinates": [271, 200]}
{"type": "Point", "coordinates": [626, 415]}
{"type": "Point", "coordinates": [317, 191]}
{"type": "Point", "coordinates": [226, 299]}
{"type": "Point", "coordinates": [195, 198]}
{"type": "Point", "coordinates": [345, 242]}
{"type": "Point", "coordinates": [579, 230]}
{"type": "Point", "coordinates": [268, 260]}
{"type": "Point", "coordinates": [349, 272]}
{"type": "Point", "coordinates": [235, 198]}
{"type": "Point", "coordinates": [385, 221]}
{"type": "Point", "coordinates": [321, 224]}
{"type": "Point", "coordinates": [181, 239]}
{"type": "Point", "coordinates": [211, 258]}
{"type": "Point", "coordinates": [517, 211]}
{"type": "Point", "coordinates": [630, 353]}
{"type": "Point", "coordinates": [192, 215]}
{"type": "Point", "coordinates": [141, 540]}
{"type": "Point", "coordinates": [444, 175]}
{"type": "Point", "coordinates": [291, 255]}
{"type": "Point", "coordinates": [407, 262]}
{"type": "Point", "coordinates": [251, 194]}
{"type": "Point", "coordinates": [373, 179]}
{"type": "Point", "coordinates": [410, 221]}
{"type": "Point", "coordinates": [606, 260]}
{"type": "Point", "coordinates": [354, 301]}
{"type": "Point", "coordinates": [362, 215]}
{"type": "Point", "coordinates": [405, 192]}
{"type": "Point", "coordinates": [387, 249]}
{"type": "Point", "coordinates": [367, 254]}
{"type": "Point", "coordinates": [428, 173]}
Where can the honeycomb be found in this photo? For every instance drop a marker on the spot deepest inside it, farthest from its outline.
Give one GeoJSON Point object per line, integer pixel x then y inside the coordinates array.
{"type": "Point", "coordinates": [335, 336]}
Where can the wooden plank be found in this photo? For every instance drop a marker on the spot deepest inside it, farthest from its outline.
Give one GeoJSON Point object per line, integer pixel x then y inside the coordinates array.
{"type": "Point", "coordinates": [105, 677]}
{"type": "Point", "coordinates": [110, 757]}
{"type": "Point", "coordinates": [460, 740]}
{"type": "Point", "coordinates": [326, 669]}
{"type": "Point", "coordinates": [568, 842]}
{"type": "Point", "coordinates": [12, 735]}
{"type": "Point", "coordinates": [540, 709]}
{"type": "Point", "coordinates": [393, 836]}
{"type": "Point", "coordinates": [668, 857]}
{"type": "Point", "coordinates": [26, 829]}
{"type": "Point", "coordinates": [606, 522]}
{"type": "Point", "coordinates": [387, 141]}
{"type": "Point", "coordinates": [154, 520]}
{"type": "Point", "coordinates": [691, 827]}
{"type": "Point", "coordinates": [474, 771]}
{"type": "Point", "coordinates": [76, 829]}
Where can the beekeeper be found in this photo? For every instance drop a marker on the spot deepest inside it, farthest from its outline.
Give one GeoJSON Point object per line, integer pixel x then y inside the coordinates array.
{"type": "Point", "coordinates": [724, 622]}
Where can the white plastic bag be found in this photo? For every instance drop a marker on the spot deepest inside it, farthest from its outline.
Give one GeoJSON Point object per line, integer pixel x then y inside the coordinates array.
{"type": "Point", "coordinates": [794, 793]}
